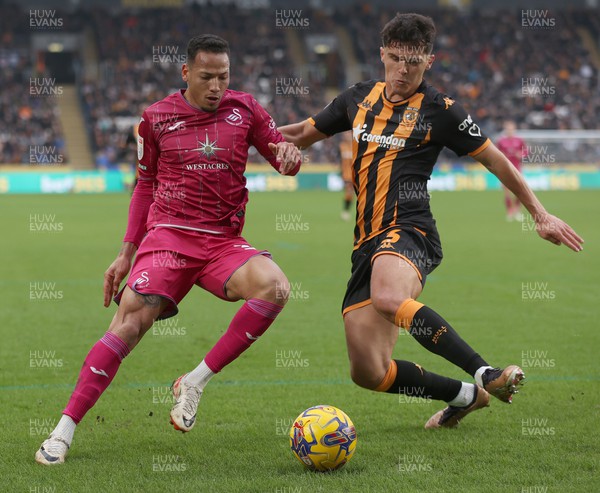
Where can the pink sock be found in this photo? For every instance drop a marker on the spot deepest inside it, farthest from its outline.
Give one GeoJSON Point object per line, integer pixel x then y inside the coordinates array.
{"type": "Point", "coordinates": [249, 323]}
{"type": "Point", "coordinates": [98, 370]}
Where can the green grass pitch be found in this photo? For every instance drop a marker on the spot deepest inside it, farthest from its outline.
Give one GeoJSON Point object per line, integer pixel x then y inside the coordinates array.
{"type": "Point", "coordinates": [512, 296]}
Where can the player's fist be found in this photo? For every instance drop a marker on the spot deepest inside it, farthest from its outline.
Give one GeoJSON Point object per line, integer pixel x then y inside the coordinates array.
{"type": "Point", "coordinates": [287, 156]}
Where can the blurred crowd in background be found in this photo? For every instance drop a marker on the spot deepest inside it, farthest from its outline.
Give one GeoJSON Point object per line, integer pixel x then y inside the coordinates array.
{"type": "Point", "coordinates": [490, 62]}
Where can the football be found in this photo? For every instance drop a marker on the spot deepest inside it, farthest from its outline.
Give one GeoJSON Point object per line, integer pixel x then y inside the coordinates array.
{"type": "Point", "coordinates": [323, 438]}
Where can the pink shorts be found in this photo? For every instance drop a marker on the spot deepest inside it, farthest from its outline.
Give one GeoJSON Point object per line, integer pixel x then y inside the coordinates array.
{"type": "Point", "coordinates": [171, 260]}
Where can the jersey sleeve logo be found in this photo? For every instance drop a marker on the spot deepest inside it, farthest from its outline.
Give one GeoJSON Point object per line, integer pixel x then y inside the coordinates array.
{"type": "Point", "coordinates": [471, 127]}
{"type": "Point", "coordinates": [448, 102]}
{"type": "Point", "coordinates": [140, 147]}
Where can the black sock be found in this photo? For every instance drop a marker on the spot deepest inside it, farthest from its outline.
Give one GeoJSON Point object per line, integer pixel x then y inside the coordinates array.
{"type": "Point", "coordinates": [413, 380]}
{"type": "Point", "coordinates": [438, 336]}
{"type": "Point", "coordinates": [347, 203]}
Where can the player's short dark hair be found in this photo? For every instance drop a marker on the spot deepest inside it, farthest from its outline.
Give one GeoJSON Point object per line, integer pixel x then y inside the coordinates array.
{"type": "Point", "coordinates": [206, 42]}
{"type": "Point", "coordinates": [409, 29]}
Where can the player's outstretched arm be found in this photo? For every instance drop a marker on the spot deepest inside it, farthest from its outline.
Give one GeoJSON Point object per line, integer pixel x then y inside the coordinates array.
{"type": "Point", "coordinates": [549, 227]}
{"type": "Point", "coordinates": [302, 134]}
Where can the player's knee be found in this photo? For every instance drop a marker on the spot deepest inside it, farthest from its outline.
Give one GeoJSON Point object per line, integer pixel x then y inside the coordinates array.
{"type": "Point", "coordinates": [365, 375]}
{"type": "Point", "coordinates": [365, 379]}
{"type": "Point", "coordinates": [358, 378]}
{"type": "Point", "coordinates": [387, 303]}
{"type": "Point", "coordinates": [128, 333]}
{"type": "Point", "coordinates": [273, 287]}
{"type": "Point", "coordinates": [130, 329]}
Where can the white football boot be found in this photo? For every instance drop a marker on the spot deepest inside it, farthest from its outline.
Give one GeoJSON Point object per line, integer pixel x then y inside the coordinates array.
{"type": "Point", "coordinates": [183, 412]}
{"type": "Point", "coordinates": [53, 451]}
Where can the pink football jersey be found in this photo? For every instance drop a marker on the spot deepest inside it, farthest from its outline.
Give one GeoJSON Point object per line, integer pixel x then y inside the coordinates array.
{"type": "Point", "coordinates": [513, 148]}
{"type": "Point", "coordinates": [196, 160]}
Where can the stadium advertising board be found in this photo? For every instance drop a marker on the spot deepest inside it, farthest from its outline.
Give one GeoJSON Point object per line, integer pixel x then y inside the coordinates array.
{"type": "Point", "coordinates": [266, 181]}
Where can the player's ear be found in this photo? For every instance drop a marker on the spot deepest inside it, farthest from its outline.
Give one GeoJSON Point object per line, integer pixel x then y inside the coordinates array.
{"type": "Point", "coordinates": [430, 60]}
{"type": "Point", "coordinates": [381, 53]}
{"type": "Point", "coordinates": [184, 72]}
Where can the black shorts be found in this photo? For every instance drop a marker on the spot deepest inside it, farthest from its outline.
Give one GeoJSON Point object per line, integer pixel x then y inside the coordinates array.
{"type": "Point", "coordinates": [406, 242]}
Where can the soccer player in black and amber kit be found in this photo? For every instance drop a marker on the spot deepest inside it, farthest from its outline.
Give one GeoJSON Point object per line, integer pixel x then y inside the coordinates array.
{"type": "Point", "coordinates": [399, 126]}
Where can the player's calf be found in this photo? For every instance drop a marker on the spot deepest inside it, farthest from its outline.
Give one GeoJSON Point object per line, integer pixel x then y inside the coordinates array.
{"type": "Point", "coordinates": [98, 370]}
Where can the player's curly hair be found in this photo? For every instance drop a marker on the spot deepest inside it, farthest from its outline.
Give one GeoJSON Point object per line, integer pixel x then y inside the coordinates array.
{"type": "Point", "coordinates": [206, 42]}
{"type": "Point", "coordinates": [409, 29]}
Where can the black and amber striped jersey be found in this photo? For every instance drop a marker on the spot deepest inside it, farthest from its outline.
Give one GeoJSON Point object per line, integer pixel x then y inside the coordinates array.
{"type": "Point", "coordinates": [395, 147]}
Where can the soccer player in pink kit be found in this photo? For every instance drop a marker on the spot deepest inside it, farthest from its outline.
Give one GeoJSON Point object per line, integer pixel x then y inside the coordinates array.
{"type": "Point", "coordinates": [514, 149]}
{"type": "Point", "coordinates": [185, 220]}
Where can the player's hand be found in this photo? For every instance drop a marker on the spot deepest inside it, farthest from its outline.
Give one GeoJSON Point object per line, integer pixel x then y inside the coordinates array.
{"type": "Point", "coordinates": [287, 155]}
{"type": "Point", "coordinates": [113, 277]}
{"type": "Point", "coordinates": [556, 231]}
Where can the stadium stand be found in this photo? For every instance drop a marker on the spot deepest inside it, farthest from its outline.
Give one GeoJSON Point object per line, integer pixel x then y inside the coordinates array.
{"type": "Point", "coordinates": [496, 67]}
{"type": "Point", "coordinates": [500, 69]}
{"type": "Point", "coordinates": [30, 132]}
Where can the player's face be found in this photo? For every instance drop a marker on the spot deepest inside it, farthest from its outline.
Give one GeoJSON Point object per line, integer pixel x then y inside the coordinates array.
{"type": "Point", "coordinates": [207, 78]}
{"type": "Point", "coordinates": [509, 128]}
{"type": "Point", "coordinates": [404, 69]}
